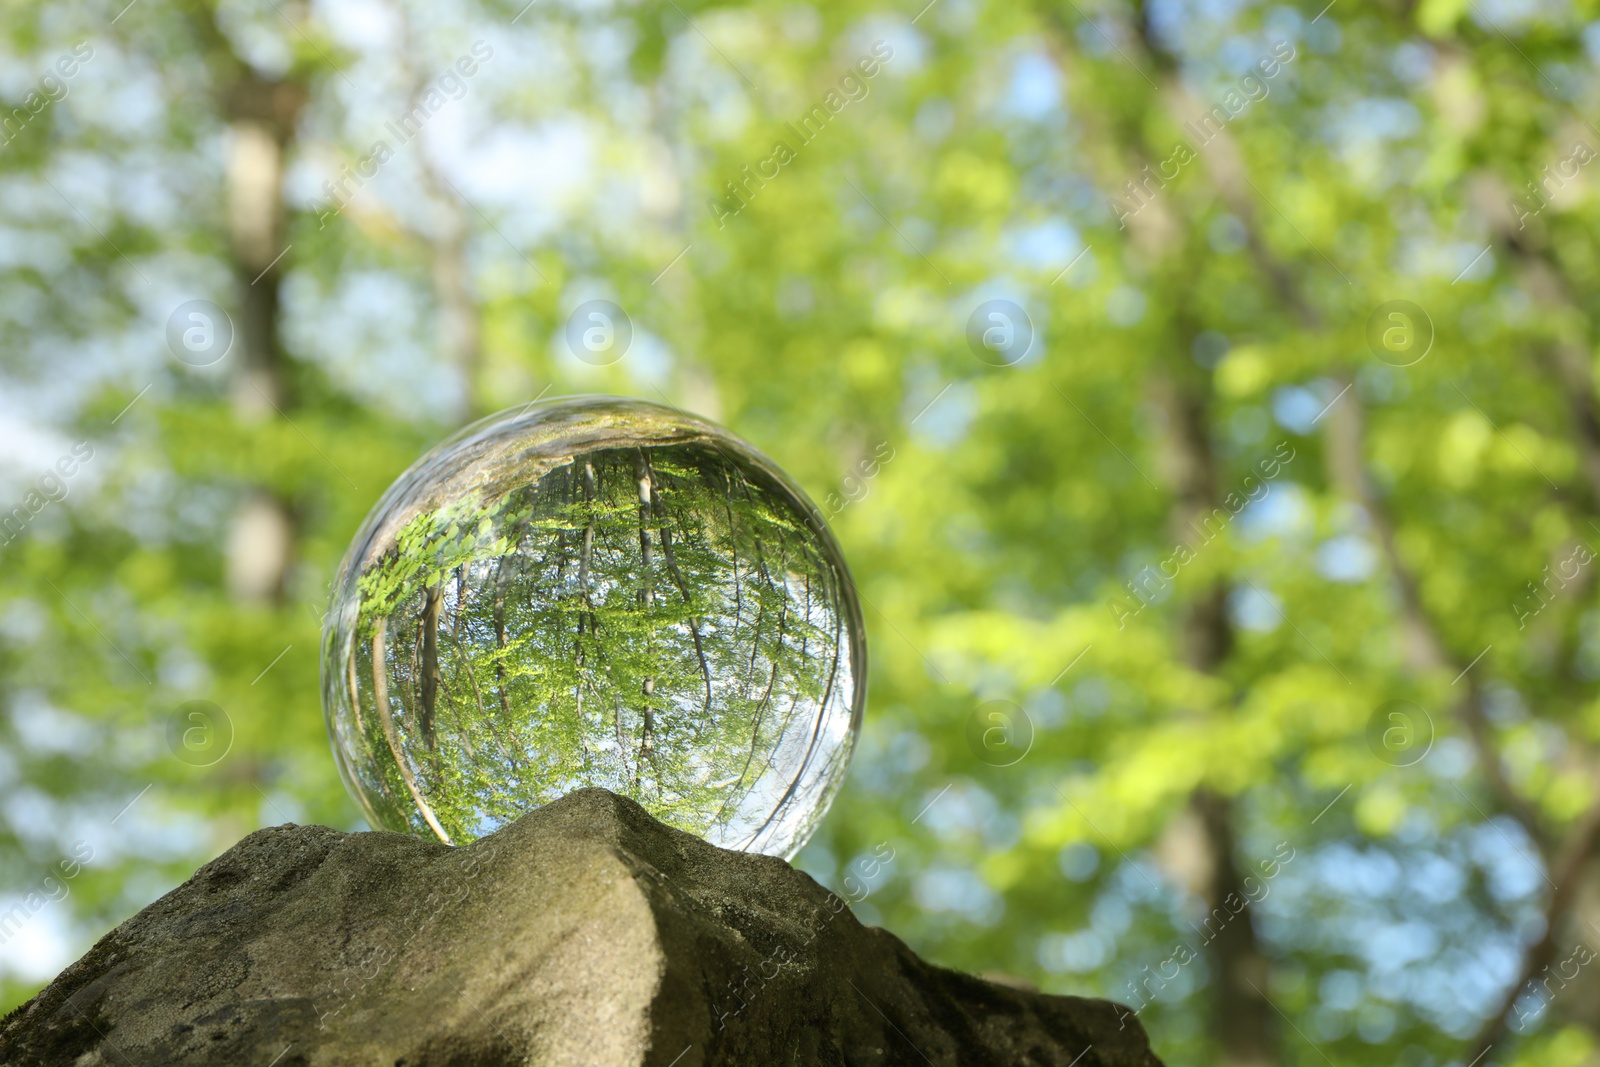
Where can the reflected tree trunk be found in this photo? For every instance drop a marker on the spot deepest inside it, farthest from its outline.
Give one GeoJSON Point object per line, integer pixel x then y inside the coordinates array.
{"type": "Point", "coordinates": [428, 683]}
{"type": "Point", "coordinates": [665, 528]}
{"type": "Point", "coordinates": [380, 696]}
{"type": "Point", "coordinates": [647, 598]}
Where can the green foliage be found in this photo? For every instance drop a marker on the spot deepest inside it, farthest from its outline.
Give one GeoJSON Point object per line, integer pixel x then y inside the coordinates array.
{"type": "Point", "coordinates": [1418, 546]}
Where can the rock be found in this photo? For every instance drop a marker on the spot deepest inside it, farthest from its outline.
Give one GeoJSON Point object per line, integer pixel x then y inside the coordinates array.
{"type": "Point", "coordinates": [585, 933]}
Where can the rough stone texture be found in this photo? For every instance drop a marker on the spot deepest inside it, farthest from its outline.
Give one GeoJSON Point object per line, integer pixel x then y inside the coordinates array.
{"type": "Point", "coordinates": [585, 933]}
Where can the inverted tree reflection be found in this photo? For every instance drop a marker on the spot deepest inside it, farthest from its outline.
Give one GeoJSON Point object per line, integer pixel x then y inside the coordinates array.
{"type": "Point", "coordinates": [660, 621]}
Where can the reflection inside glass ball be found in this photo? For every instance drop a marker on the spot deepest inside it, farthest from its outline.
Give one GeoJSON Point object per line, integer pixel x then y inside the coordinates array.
{"type": "Point", "coordinates": [595, 592]}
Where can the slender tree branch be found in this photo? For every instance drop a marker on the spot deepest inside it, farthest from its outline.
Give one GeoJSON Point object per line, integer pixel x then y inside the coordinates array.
{"type": "Point", "coordinates": [1345, 434]}
{"type": "Point", "coordinates": [1566, 877]}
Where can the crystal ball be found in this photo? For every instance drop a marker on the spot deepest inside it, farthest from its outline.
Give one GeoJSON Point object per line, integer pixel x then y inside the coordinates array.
{"type": "Point", "coordinates": [594, 591]}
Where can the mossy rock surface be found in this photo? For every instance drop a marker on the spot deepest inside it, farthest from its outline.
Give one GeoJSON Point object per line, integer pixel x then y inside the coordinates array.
{"type": "Point", "coordinates": [585, 933]}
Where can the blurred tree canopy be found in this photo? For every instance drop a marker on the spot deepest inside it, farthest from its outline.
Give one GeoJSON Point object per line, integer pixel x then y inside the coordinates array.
{"type": "Point", "coordinates": [1229, 582]}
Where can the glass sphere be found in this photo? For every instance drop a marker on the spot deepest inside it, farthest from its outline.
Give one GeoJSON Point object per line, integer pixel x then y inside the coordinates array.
{"type": "Point", "coordinates": [595, 591]}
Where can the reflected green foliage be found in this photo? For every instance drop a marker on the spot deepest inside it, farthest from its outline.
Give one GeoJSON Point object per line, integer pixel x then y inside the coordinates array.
{"type": "Point", "coordinates": [667, 621]}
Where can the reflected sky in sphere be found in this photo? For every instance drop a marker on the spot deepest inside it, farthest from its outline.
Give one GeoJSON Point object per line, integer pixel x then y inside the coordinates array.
{"type": "Point", "coordinates": [594, 591]}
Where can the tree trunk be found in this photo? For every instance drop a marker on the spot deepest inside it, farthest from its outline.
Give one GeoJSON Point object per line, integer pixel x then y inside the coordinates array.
{"type": "Point", "coordinates": [1242, 1017]}
{"type": "Point", "coordinates": [262, 115]}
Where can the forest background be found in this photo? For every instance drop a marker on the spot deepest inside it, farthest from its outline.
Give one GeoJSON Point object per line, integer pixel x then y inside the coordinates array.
{"type": "Point", "coordinates": [1203, 392]}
